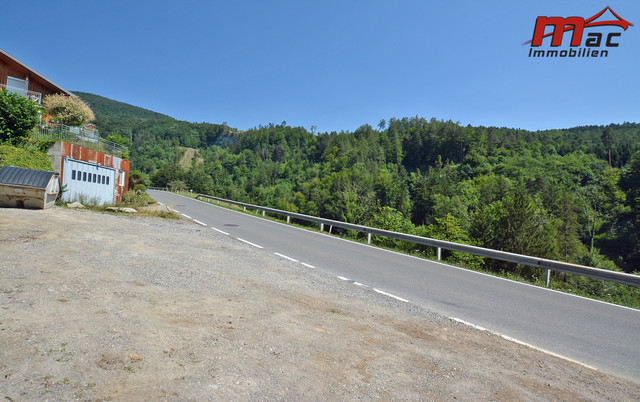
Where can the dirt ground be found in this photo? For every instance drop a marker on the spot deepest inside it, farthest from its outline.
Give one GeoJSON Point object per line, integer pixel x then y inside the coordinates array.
{"type": "Point", "coordinates": [113, 307]}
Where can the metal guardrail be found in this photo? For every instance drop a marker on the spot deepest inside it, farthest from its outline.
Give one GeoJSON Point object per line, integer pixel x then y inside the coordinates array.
{"type": "Point", "coordinates": [549, 265]}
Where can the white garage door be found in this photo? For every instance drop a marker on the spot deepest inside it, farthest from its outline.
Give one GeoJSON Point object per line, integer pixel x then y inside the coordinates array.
{"type": "Point", "coordinates": [88, 182]}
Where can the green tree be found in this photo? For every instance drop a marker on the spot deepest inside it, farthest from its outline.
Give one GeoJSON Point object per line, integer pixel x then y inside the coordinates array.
{"type": "Point", "coordinates": [18, 116]}
{"type": "Point", "coordinates": [449, 228]}
{"type": "Point", "coordinates": [569, 244]}
{"type": "Point", "coordinates": [630, 234]}
{"type": "Point", "coordinates": [388, 218]}
{"type": "Point", "coordinates": [518, 224]}
{"type": "Point", "coordinates": [607, 140]}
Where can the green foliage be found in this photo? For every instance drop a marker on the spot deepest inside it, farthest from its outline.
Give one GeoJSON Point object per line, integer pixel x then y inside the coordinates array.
{"type": "Point", "coordinates": [388, 218]}
{"type": "Point", "coordinates": [104, 106]}
{"type": "Point", "coordinates": [450, 228]}
{"type": "Point", "coordinates": [177, 185]}
{"type": "Point", "coordinates": [135, 199]}
{"type": "Point", "coordinates": [24, 158]}
{"type": "Point", "coordinates": [18, 116]}
{"type": "Point", "coordinates": [69, 110]}
{"type": "Point", "coordinates": [630, 219]}
{"type": "Point", "coordinates": [550, 193]}
{"type": "Point", "coordinates": [116, 138]}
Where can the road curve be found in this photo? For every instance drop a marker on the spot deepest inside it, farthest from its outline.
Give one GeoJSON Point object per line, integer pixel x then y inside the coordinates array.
{"type": "Point", "coordinates": [593, 333]}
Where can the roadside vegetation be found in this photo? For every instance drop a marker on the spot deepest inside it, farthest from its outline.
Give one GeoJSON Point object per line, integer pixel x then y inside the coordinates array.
{"type": "Point", "coordinates": [569, 283]}
{"type": "Point", "coordinates": [136, 202]}
{"type": "Point", "coordinates": [571, 195]}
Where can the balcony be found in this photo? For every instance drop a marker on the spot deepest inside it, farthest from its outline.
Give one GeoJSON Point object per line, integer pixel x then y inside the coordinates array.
{"type": "Point", "coordinates": [34, 96]}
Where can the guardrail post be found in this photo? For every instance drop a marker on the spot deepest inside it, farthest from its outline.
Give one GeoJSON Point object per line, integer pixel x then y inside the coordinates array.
{"type": "Point", "coordinates": [549, 265]}
{"type": "Point", "coordinates": [368, 238]}
{"type": "Point", "coordinates": [322, 227]}
{"type": "Point", "coordinates": [244, 209]}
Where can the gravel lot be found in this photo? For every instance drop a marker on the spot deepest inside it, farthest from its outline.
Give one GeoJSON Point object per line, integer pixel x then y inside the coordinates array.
{"type": "Point", "coordinates": [112, 307]}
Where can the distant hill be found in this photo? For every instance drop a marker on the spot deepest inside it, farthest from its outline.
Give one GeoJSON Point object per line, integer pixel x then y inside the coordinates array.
{"type": "Point", "coordinates": [105, 108]}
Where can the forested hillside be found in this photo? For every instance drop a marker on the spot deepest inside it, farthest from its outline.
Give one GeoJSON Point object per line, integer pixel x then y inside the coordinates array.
{"type": "Point", "coordinates": [571, 195]}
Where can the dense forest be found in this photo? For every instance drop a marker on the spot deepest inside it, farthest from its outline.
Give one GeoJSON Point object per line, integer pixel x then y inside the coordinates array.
{"type": "Point", "coordinates": [571, 195]}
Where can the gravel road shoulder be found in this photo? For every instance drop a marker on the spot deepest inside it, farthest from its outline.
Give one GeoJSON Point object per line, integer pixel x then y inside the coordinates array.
{"type": "Point", "coordinates": [112, 307]}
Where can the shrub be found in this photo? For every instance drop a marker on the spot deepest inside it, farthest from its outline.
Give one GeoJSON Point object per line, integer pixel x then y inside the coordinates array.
{"type": "Point", "coordinates": [69, 110]}
{"type": "Point", "coordinates": [176, 185]}
{"type": "Point", "coordinates": [18, 116]}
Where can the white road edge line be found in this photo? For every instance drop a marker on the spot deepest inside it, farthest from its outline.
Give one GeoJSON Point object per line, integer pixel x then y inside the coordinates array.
{"type": "Point", "coordinates": [248, 242]}
{"type": "Point", "coordinates": [360, 284]}
{"type": "Point", "coordinates": [307, 265]}
{"type": "Point", "coordinates": [218, 230]}
{"type": "Point", "coordinates": [519, 342]}
{"type": "Point", "coordinates": [199, 223]}
{"type": "Point", "coordinates": [423, 259]}
{"type": "Point", "coordinates": [186, 216]}
{"type": "Point", "coordinates": [459, 268]}
{"type": "Point", "coordinates": [285, 257]}
{"type": "Point", "coordinates": [390, 295]}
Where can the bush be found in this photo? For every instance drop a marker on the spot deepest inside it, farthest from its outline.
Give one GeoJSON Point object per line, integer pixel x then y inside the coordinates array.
{"type": "Point", "coordinates": [18, 116]}
{"type": "Point", "coordinates": [69, 110]}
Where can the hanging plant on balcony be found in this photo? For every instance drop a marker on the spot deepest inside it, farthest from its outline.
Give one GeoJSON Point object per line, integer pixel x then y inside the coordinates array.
{"type": "Point", "coordinates": [68, 110]}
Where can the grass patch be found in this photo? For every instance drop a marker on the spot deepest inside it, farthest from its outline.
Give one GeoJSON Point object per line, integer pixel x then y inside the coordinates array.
{"type": "Point", "coordinates": [28, 157]}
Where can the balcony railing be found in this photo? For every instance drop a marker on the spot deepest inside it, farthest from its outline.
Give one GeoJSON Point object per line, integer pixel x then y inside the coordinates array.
{"type": "Point", "coordinates": [34, 96]}
{"type": "Point", "coordinates": [80, 136]}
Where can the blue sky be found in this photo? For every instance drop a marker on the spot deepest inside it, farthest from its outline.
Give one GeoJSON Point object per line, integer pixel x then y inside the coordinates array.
{"type": "Point", "coordinates": [331, 64]}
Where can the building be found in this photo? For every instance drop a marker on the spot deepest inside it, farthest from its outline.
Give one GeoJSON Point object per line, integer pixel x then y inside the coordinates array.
{"type": "Point", "coordinates": [89, 167]}
{"type": "Point", "coordinates": [28, 188]}
{"type": "Point", "coordinates": [17, 77]}
{"type": "Point", "coordinates": [87, 174]}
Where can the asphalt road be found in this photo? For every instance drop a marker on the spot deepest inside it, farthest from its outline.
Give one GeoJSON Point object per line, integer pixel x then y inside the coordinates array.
{"type": "Point", "coordinates": [597, 334]}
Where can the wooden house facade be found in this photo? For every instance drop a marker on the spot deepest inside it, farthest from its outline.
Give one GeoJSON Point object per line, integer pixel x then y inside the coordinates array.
{"type": "Point", "coordinates": [18, 77]}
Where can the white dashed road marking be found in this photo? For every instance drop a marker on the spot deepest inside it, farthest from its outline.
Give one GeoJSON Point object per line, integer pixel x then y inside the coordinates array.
{"type": "Point", "coordinates": [285, 257]}
{"type": "Point", "coordinates": [220, 231]}
{"type": "Point", "coordinates": [390, 295]}
{"type": "Point", "coordinates": [249, 243]}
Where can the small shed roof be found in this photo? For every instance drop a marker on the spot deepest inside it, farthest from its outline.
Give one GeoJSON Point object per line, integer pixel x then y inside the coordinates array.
{"type": "Point", "coordinates": [16, 176]}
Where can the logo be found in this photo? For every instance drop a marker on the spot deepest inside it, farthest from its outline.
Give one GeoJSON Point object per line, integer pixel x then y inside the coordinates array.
{"type": "Point", "coordinates": [597, 44]}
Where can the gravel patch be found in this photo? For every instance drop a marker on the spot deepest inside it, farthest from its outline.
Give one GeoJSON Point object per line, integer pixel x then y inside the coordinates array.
{"type": "Point", "coordinates": [113, 307]}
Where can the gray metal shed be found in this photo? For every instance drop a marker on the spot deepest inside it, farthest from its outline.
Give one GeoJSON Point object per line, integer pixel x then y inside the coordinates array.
{"type": "Point", "coordinates": [28, 188]}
